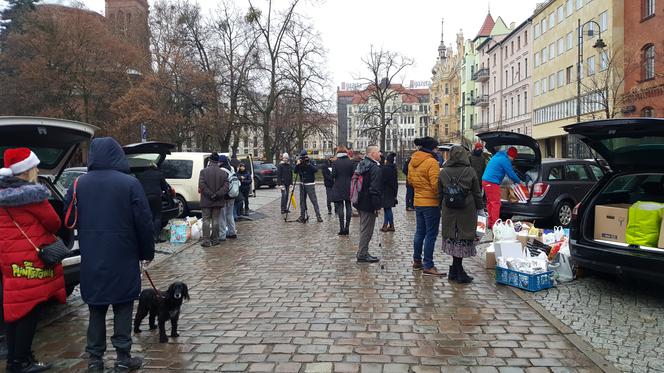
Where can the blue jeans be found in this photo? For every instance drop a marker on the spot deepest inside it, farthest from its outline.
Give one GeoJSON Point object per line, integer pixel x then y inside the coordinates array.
{"type": "Point", "coordinates": [410, 196]}
{"type": "Point", "coordinates": [388, 216]}
{"type": "Point", "coordinates": [426, 232]}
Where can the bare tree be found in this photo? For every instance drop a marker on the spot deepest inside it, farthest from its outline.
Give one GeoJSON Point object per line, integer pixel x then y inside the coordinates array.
{"type": "Point", "coordinates": [383, 68]}
{"type": "Point", "coordinates": [602, 92]}
{"type": "Point", "coordinates": [272, 29]}
{"type": "Point", "coordinates": [306, 78]}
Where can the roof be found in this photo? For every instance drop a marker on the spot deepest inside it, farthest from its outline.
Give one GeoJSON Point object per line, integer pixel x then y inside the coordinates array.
{"type": "Point", "coordinates": [487, 26]}
{"type": "Point", "coordinates": [408, 95]}
{"type": "Point", "coordinates": [345, 93]}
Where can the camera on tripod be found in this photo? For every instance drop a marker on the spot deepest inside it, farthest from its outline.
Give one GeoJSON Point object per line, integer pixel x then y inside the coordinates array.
{"type": "Point", "coordinates": [304, 158]}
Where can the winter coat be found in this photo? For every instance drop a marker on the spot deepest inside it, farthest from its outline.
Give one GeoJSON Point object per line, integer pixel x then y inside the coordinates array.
{"type": "Point", "coordinates": [499, 166]}
{"type": "Point", "coordinates": [423, 170]}
{"type": "Point", "coordinates": [371, 195]}
{"type": "Point", "coordinates": [478, 163]}
{"type": "Point", "coordinates": [328, 180]}
{"type": "Point", "coordinates": [307, 172]}
{"type": "Point", "coordinates": [342, 172]}
{"type": "Point", "coordinates": [284, 174]}
{"type": "Point", "coordinates": [26, 281]}
{"type": "Point", "coordinates": [245, 180]}
{"type": "Point", "coordinates": [213, 186]}
{"type": "Point", "coordinates": [153, 182]}
{"type": "Point", "coordinates": [390, 185]}
{"type": "Point", "coordinates": [115, 229]}
{"type": "Point", "coordinates": [460, 223]}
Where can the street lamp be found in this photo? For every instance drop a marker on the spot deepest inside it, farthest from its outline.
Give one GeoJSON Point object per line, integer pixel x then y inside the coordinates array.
{"type": "Point", "coordinates": [599, 45]}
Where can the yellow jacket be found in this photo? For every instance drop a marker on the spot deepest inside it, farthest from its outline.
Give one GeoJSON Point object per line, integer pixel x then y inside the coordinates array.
{"type": "Point", "coordinates": [423, 171]}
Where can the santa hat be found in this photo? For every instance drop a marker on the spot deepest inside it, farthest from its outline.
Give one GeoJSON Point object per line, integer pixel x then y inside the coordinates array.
{"type": "Point", "coordinates": [18, 161]}
{"type": "Point", "coordinates": [512, 152]}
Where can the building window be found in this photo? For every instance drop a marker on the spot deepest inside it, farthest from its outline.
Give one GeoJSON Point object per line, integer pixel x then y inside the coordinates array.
{"type": "Point", "coordinates": [512, 107]}
{"type": "Point", "coordinates": [591, 66]}
{"type": "Point", "coordinates": [552, 82]}
{"type": "Point", "coordinates": [512, 48]}
{"type": "Point", "coordinates": [537, 59]}
{"type": "Point", "coordinates": [544, 81]}
{"type": "Point", "coordinates": [648, 112]}
{"type": "Point", "coordinates": [603, 60]}
{"type": "Point", "coordinates": [447, 109]}
{"type": "Point", "coordinates": [604, 21]}
{"type": "Point", "coordinates": [537, 31]}
{"type": "Point", "coordinates": [525, 102]}
{"type": "Point", "coordinates": [537, 88]}
{"type": "Point", "coordinates": [569, 7]}
{"type": "Point", "coordinates": [306, 144]}
{"type": "Point", "coordinates": [579, 4]}
{"type": "Point", "coordinates": [552, 51]}
{"type": "Point", "coordinates": [525, 37]}
{"type": "Point", "coordinates": [447, 89]}
{"type": "Point", "coordinates": [518, 42]}
{"type": "Point", "coordinates": [568, 74]}
{"type": "Point", "coordinates": [648, 9]}
{"type": "Point", "coordinates": [518, 105]}
{"type": "Point", "coordinates": [525, 66]}
{"type": "Point", "coordinates": [544, 28]}
{"type": "Point", "coordinates": [561, 14]}
{"type": "Point", "coordinates": [561, 78]}
{"type": "Point", "coordinates": [649, 62]}
{"type": "Point", "coordinates": [561, 46]}
{"type": "Point", "coordinates": [570, 41]}
{"type": "Point", "coordinates": [552, 20]}
{"type": "Point", "coordinates": [544, 54]}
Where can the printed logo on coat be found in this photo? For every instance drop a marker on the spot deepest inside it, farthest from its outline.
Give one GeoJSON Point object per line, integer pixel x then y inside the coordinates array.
{"type": "Point", "coordinates": [29, 272]}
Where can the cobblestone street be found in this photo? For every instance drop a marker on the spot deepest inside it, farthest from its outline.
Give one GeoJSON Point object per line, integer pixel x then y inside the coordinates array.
{"type": "Point", "coordinates": [287, 297]}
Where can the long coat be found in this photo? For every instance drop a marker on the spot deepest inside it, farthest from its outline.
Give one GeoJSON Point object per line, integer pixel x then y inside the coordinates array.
{"type": "Point", "coordinates": [371, 195]}
{"type": "Point", "coordinates": [390, 185]}
{"type": "Point", "coordinates": [460, 223]}
{"type": "Point", "coordinates": [213, 186]}
{"type": "Point", "coordinates": [342, 172]}
{"type": "Point", "coordinates": [115, 229]}
{"type": "Point", "coordinates": [26, 280]}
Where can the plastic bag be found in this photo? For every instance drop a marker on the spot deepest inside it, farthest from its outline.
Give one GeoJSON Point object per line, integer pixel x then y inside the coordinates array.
{"type": "Point", "coordinates": [558, 233]}
{"type": "Point", "coordinates": [643, 223]}
{"type": "Point", "coordinates": [196, 230]}
{"type": "Point", "coordinates": [563, 269]}
{"type": "Point", "coordinates": [481, 225]}
{"type": "Point", "coordinates": [504, 231]}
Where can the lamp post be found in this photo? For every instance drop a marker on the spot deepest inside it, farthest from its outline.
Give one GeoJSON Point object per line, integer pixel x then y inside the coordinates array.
{"type": "Point", "coordinates": [599, 45]}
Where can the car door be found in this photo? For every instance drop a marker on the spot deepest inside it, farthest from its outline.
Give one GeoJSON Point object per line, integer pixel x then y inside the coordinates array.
{"type": "Point", "coordinates": [579, 180]}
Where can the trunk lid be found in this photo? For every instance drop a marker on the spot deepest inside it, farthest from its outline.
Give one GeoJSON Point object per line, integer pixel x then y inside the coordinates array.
{"type": "Point", "coordinates": [529, 150]}
{"type": "Point", "coordinates": [143, 154]}
{"type": "Point", "coordinates": [54, 141]}
{"type": "Point", "coordinates": [627, 144]}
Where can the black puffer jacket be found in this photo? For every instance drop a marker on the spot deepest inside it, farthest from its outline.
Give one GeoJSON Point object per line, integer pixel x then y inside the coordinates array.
{"type": "Point", "coordinates": [371, 195]}
{"type": "Point", "coordinates": [307, 172]}
{"type": "Point", "coordinates": [284, 173]}
{"type": "Point", "coordinates": [390, 185]}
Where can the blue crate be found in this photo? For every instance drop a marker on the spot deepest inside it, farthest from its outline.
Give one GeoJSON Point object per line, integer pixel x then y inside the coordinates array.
{"type": "Point", "coordinates": [524, 281]}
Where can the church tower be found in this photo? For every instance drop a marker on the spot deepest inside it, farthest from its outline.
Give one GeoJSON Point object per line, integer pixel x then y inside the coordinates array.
{"type": "Point", "coordinates": [129, 20]}
{"type": "Point", "coordinates": [442, 50]}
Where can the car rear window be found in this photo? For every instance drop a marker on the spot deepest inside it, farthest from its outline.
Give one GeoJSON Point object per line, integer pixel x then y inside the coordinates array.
{"type": "Point", "coordinates": [639, 187]}
{"type": "Point", "coordinates": [628, 144]}
{"type": "Point", "coordinates": [555, 173]}
{"type": "Point", "coordinates": [177, 168]}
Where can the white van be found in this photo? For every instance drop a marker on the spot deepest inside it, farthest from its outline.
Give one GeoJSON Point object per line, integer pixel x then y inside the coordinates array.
{"type": "Point", "coordinates": [182, 170]}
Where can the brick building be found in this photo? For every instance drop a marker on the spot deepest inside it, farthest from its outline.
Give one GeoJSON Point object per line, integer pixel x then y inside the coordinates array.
{"type": "Point", "coordinates": [644, 81]}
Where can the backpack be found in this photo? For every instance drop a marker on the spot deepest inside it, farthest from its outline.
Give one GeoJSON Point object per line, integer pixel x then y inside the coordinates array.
{"type": "Point", "coordinates": [454, 194]}
{"type": "Point", "coordinates": [233, 185]}
{"type": "Point", "coordinates": [355, 188]}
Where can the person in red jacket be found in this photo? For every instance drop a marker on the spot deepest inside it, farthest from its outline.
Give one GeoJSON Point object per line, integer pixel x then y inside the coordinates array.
{"type": "Point", "coordinates": [27, 222]}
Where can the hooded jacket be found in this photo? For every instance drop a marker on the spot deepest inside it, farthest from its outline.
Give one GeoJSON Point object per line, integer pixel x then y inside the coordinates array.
{"type": "Point", "coordinates": [371, 195]}
{"type": "Point", "coordinates": [423, 170]}
{"type": "Point", "coordinates": [342, 171]}
{"type": "Point", "coordinates": [499, 166]}
{"type": "Point", "coordinates": [478, 162]}
{"type": "Point", "coordinates": [115, 229]}
{"type": "Point", "coordinates": [26, 281]}
{"type": "Point", "coordinates": [460, 223]}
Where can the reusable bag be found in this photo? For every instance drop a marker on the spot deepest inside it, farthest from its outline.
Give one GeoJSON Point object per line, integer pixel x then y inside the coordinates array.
{"type": "Point", "coordinates": [643, 223]}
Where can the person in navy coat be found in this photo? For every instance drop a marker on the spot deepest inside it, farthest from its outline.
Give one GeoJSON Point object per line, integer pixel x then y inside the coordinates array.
{"type": "Point", "coordinates": [115, 233]}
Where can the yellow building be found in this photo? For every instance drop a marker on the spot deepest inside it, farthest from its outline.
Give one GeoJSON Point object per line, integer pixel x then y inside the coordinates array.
{"type": "Point", "coordinates": [444, 92]}
{"type": "Point", "coordinates": [555, 54]}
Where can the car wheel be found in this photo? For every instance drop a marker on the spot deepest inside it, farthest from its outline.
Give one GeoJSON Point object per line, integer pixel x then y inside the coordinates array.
{"type": "Point", "coordinates": [182, 206]}
{"type": "Point", "coordinates": [563, 215]}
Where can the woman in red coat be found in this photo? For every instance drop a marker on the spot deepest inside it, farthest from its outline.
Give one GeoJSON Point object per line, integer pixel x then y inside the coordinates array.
{"type": "Point", "coordinates": [27, 282]}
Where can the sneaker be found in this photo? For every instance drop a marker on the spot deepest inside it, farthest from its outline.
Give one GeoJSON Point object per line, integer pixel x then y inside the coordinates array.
{"type": "Point", "coordinates": [319, 219]}
{"type": "Point", "coordinates": [433, 271]}
{"type": "Point", "coordinates": [96, 367]}
{"type": "Point", "coordinates": [231, 236]}
{"type": "Point", "coordinates": [390, 228]}
{"type": "Point", "coordinates": [417, 265]}
{"type": "Point", "coordinates": [301, 220]}
{"type": "Point", "coordinates": [28, 366]}
{"type": "Point", "coordinates": [367, 259]}
{"type": "Point", "coordinates": [128, 365]}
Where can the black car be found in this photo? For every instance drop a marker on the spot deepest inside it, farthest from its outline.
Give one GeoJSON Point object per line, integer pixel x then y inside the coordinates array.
{"type": "Point", "coordinates": [140, 156]}
{"type": "Point", "coordinates": [557, 184]}
{"type": "Point", "coordinates": [265, 174]}
{"type": "Point", "coordinates": [634, 150]}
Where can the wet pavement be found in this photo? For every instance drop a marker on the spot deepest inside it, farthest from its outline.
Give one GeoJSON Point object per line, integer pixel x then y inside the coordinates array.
{"type": "Point", "coordinates": [288, 297]}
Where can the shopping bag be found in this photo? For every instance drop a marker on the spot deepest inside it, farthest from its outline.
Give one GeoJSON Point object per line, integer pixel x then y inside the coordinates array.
{"type": "Point", "coordinates": [563, 269]}
{"type": "Point", "coordinates": [521, 192]}
{"type": "Point", "coordinates": [180, 232]}
{"type": "Point", "coordinates": [504, 231]}
{"type": "Point", "coordinates": [481, 225]}
{"type": "Point", "coordinates": [643, 223]}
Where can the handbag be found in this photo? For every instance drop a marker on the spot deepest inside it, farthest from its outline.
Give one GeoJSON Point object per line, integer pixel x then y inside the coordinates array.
{"type": "Point", "coordinates": [50, 254]}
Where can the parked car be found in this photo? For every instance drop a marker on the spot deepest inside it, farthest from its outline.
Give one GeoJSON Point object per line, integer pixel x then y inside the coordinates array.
{"type": "Point", "coordinates": [182, 170]}
{"type": "Point", "coordinates": [633, 148]}
{"type": "Point", "coordinates": [140, 156]}
{"type": "Point", "coordinates": [557, 184]}
{"type": "Point", "coordinates": [265, 174]}
{"type": "Point", "coordinates": [55, 141]}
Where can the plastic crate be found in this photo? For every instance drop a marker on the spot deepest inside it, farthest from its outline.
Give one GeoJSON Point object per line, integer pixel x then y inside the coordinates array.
{"type": "Point", "coordinates": [524, 281]}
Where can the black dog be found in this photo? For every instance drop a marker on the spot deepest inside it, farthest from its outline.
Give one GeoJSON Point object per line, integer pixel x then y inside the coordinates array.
{"type": "Point", "coordinates": [164, 306]}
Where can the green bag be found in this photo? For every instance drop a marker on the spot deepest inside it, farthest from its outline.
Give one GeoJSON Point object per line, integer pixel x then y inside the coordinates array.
{"type": "Point", "coordinates": [644, 222]}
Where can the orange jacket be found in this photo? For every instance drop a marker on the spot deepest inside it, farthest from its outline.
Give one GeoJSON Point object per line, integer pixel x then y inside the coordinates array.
{"type": "Point", "coordinates": [423, 171]}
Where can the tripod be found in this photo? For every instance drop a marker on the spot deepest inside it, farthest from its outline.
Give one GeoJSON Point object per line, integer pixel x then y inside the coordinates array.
{"type": "Point", "coordinates": [291, 197]}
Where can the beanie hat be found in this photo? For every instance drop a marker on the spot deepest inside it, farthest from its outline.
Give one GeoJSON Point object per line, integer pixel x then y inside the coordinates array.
{"type": "Point", "coordinates": [428, 143]}
{"type": "Point", "coordinates": [214, 157]}
{"type": "Point", "coordinates": [223, 159]}
{"type": "Point", "coordinates": [478, 145]}
{"type": "Point", "coordinates": [512, 152]}
{"type": "Point", "coordinates": [18, 161]}
{"type": "Point", "coordinates": [303, 153]}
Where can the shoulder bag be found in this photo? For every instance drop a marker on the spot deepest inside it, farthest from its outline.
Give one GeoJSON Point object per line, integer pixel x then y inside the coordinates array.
{"type": "Point", "coordinates": [50, 254]}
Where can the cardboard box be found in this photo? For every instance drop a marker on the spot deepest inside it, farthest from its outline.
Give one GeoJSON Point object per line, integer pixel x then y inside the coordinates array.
{"type": "Point", "coordinates": [504, 193]}
{"type": "Point", "coordinates": [509, 249]}
{"type": "Point", "coordinates": [611, 222]}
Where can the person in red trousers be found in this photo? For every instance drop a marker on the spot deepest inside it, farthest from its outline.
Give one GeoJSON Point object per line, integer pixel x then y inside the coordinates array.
{"type": "Point", "coordinates": [499, 166]}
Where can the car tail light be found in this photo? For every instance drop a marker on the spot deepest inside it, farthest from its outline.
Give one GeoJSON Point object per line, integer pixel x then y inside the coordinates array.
{"type": "Point", "coordinates": [540, 190]}
{"type": "Point", "coordinates": [172, 192]}
{"type": "Point", "coordinates": [575, 210]}
{"type": "Point", "coordinates": [266, 172]}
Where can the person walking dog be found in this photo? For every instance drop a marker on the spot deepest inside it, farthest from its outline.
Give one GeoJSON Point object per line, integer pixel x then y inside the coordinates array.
{"type": "Point", "coordinates": [461, 200]}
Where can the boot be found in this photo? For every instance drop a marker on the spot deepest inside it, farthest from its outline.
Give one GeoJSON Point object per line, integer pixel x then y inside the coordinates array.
{"type": "Point", "coordinates": [27, 367]}
{"type": "Point", "coordinates": [126, 363]}
{"type": "Point", "coordinates": [462, 277]}
{"type": "Point", "coordinates": [390, 228]}
{"type": "Point", "coordinates": [384, 228]}
{"type": "Point", "coordinates": [452, 275]}
{"type": "Point", "coordinates": [463, 273]}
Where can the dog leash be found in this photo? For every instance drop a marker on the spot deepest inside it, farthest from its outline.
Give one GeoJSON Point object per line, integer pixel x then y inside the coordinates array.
{"type": "Point", "coordinates": [151, 283]}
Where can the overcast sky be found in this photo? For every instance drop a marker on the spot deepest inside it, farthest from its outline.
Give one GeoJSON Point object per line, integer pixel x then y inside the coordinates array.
{"type": "Point", "coordinates": [411, 27]}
